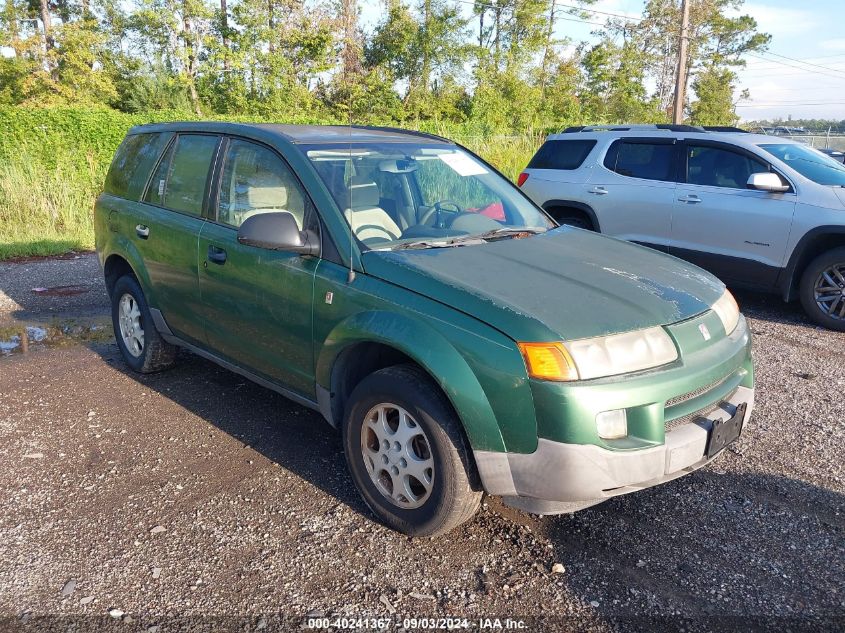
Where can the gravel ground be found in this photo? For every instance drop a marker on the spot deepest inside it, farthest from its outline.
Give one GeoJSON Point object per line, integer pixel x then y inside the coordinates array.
{"type": "Point", "coordinates": [194, 498]}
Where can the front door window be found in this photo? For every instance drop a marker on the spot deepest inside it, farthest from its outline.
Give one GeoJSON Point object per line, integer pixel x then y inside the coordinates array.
{"type": "Point", "coordinates": [255, 180]}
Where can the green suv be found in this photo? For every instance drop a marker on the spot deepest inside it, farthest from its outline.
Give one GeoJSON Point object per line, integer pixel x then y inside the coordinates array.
{"type": "Point", "coordinates": [402, 287]}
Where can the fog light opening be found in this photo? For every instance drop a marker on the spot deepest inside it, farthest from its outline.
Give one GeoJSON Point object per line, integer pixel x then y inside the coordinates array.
{"type": "Point", "coordinates": [612, 425]}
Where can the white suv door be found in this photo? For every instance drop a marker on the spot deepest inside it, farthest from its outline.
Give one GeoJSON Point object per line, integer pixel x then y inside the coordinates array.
{"type": "Point", "coordinates": [737, 233]}
{"type": "Point", "coordinates": [632, 190]}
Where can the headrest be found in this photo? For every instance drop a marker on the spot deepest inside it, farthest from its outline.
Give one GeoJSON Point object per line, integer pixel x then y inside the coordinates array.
{"type": "Point", "coordinates": [267, 191]}
{"type": "Point", "coordinates": [268, 197]}
{"type": "Point", "coordinates": [363, 193]}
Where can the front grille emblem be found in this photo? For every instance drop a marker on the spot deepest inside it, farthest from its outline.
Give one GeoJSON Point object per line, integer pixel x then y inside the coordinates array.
{"type": "Point", "coordinates": [704, 331]}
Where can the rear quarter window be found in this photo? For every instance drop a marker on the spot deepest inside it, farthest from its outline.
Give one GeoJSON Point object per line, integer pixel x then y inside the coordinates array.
{"type": "Point", "coordinates": [132, 163]}
{"type": "Point", "coordinates": [561, 154]}
{"type": "Point", "coordinates": [641, 159]}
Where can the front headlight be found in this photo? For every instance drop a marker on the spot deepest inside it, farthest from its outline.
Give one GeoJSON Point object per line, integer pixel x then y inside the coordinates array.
{"type": "Point", "coordinates": [728, 311]}
{"type": "Point", "coordinates": [601, 356]}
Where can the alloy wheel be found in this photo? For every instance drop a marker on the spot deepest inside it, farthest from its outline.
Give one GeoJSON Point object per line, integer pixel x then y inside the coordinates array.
{"type": "Point", "coordinates": [397, 456]}
{"type": "Point", "coordinates": [829, 291]}
{"type": "Point", "coordinates": [129, 318]}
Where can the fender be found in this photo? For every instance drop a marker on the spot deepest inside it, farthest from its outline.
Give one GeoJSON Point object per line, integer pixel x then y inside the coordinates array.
{"type": "Point", "coordinates": [807, 249]}
{"type": "Point", "coordinates": [433, 352]}
{"type": "Point", "coordinates": [122, 247]}
{"type": "Point", "coordinates": [581, 206]}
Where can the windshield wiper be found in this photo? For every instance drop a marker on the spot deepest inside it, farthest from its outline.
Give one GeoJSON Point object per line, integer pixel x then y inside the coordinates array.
{"type": "Point", "coordinates": [506, 231]}
{"type": "Point", "coordinates": [422, 244]}
{"type": "Point", "coordinates": [465, 239]}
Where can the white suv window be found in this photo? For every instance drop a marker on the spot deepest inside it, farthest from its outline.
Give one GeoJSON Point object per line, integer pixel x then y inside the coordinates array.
{"type": "Point", "coordinates": [641, 159]}
{"type": "Point", "coordinates": [720, 167]}
{"type": "Point", "coordinates": [562, 154]}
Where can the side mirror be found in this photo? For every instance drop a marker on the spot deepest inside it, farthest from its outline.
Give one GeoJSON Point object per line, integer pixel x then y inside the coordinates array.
{"type": "Point", "coordinates": [766, 181]}
{"type": "Point", "coordinates": [278, 231]}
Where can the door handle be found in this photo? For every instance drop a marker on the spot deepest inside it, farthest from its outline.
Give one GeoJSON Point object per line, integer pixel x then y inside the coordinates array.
{"type": "Point", "coordinates": [599, 191]}
{"type": "Point", "coordinates": [142, 231]}
{"type": "Point", "coordinates": [692, 199]}
{"type": "Point", "coordinates": [216, 255]}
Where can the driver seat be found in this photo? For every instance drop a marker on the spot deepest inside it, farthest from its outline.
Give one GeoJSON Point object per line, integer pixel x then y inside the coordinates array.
{"type": "Point", "coordinates": [368, 220]}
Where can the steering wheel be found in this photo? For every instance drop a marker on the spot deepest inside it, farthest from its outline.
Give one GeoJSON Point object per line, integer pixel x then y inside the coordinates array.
{"type": "Point", "coordinates": [437, 209]}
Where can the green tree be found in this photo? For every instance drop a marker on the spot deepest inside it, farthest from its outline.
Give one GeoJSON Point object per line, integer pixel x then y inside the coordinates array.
{"type": "Point", "coordinates": [424, 52]}
{"type": "Point", "coordinates": [715, 105]}
{"type": "Point", "coordinates": [718, 38]}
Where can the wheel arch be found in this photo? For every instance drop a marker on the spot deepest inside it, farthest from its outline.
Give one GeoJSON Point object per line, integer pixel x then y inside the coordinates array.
{"type": "Point", "coordinates": [811, 245]}
{"type": "Point", "coordinates": [367, 342]}
{"type": "Point", "coordinates": [122, 248]}
{"type": "Point", "coordinates": [582, 207]}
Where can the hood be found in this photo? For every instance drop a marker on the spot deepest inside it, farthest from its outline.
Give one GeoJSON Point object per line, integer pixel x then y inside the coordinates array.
{"type": "Point", "coordinates": [561, 285]}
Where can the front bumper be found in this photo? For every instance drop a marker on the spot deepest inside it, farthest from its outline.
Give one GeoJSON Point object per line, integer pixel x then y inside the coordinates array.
{"type": "Point", "coordinates": [561, 477]}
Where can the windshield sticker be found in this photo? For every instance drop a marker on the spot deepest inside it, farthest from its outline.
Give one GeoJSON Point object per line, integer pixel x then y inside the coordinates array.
{"type": "Point", "coordinates": [463, 164]}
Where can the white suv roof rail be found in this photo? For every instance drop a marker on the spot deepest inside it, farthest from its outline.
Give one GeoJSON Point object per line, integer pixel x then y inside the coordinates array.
{"type": "Point", "coordinates": [651, 127]}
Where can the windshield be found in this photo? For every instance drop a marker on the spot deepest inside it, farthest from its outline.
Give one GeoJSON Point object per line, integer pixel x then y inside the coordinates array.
{"type": "Point", "coordinates": [809, 162]}
{"type": "Point", "coordinates": [422, 195]}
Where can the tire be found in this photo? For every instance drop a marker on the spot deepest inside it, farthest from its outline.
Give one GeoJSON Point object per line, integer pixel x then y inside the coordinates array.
{"type": "Point", "coordinates": [144, 351]}
{"type": "Point", "coordinates": [451, 495]}
{"type": "Point", "coordinates": [831, 313]}
{"type": "Point", "coordinates": [568, 218]}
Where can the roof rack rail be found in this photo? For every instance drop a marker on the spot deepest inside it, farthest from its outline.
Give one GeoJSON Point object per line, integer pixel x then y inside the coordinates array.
{"type": "Point", "coordinates": [634, 128]}
{"type": "Point", "coordinates": [725, 128]}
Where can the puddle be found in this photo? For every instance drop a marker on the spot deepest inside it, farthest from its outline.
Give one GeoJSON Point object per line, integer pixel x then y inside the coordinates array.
{"type": "Point", "coordinates": [21, 338]}
{"type": "Point", "coordinates": [61, 291]}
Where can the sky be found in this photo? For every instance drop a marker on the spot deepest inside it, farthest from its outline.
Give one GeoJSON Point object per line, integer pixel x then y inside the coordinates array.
{"type": "Point", "coordinates": [810, 31]}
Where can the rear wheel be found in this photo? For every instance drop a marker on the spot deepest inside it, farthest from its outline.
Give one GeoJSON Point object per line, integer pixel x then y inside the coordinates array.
{"type": "Point", "coordinates": [571, 217]}
{"type": "Point", "coordinates": [406, 452]}
{"type": "Point", "coordinates": [822, 289]}
{"type": "Point", "coordinates": [139, 342]}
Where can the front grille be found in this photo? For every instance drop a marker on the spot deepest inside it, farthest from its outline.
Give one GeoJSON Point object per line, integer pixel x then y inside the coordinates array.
{"type": "Point", "coordinates": [694, 394]}
{"type": "Point", "coordinates": [690, 417]}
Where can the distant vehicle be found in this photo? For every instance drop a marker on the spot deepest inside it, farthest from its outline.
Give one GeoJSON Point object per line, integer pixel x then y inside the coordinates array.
{"type": "Point", "coordinates": [783, 130]}
{"type": "Point", "coordinates": [399, 285]}
{"type": "Point", "coordinates": [758, 211]}
{"type": "Point", "coordinates": [835, 154]}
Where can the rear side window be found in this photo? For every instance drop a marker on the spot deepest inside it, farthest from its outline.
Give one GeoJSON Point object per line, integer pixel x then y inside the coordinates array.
{"type": "Point", "coordinates": [651, 161]}
{"type": "Point", "coordinates": [180, 180]}
{"type": "Point", "coordinates": [557, 154]}
{"type": "Point", "coordinates": [132, 164]}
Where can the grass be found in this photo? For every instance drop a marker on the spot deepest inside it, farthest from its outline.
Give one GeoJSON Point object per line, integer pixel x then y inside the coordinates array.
{"type": "Point", "coordinates": [508, 154]}
{"type": "Point", "coordinates": [47, 209]}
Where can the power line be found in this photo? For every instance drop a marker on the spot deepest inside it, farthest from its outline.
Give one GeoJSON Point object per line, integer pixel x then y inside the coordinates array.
{"type": "Point", "coordinates": [557, 16]}
{"type": "Point", "coordinates": [754, 68]}
{"type": "Point", "coordinates": [753, 76]}
{"type": "Point", "coordinates": [637, 18]}
{"type": "Point", "coordinates": [792, 101]}
{"type": "Point", "coordinates": [806, 70]}
{"type": "Point", "coordinates": [789, 104]}
{"type": "Point", "coordinates": [769, 63]}
{"type": "Point", "coordinates": [801, 61]}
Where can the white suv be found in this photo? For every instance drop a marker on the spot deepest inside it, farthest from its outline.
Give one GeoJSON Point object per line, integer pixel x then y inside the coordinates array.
{"type": "Point", "coordinates": [758, 211]}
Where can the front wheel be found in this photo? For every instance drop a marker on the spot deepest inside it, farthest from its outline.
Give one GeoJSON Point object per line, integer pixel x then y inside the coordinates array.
{"type": "Point", "coordinates": [142, 347]}
{"type": "Point", "coordinates": [822, 289]}
{"type": "Point", "coordinates": [407, 455]}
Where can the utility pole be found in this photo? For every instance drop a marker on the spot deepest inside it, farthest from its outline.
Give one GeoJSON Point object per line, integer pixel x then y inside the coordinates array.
{"type": "Point", "coordinates": [681, 76]}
